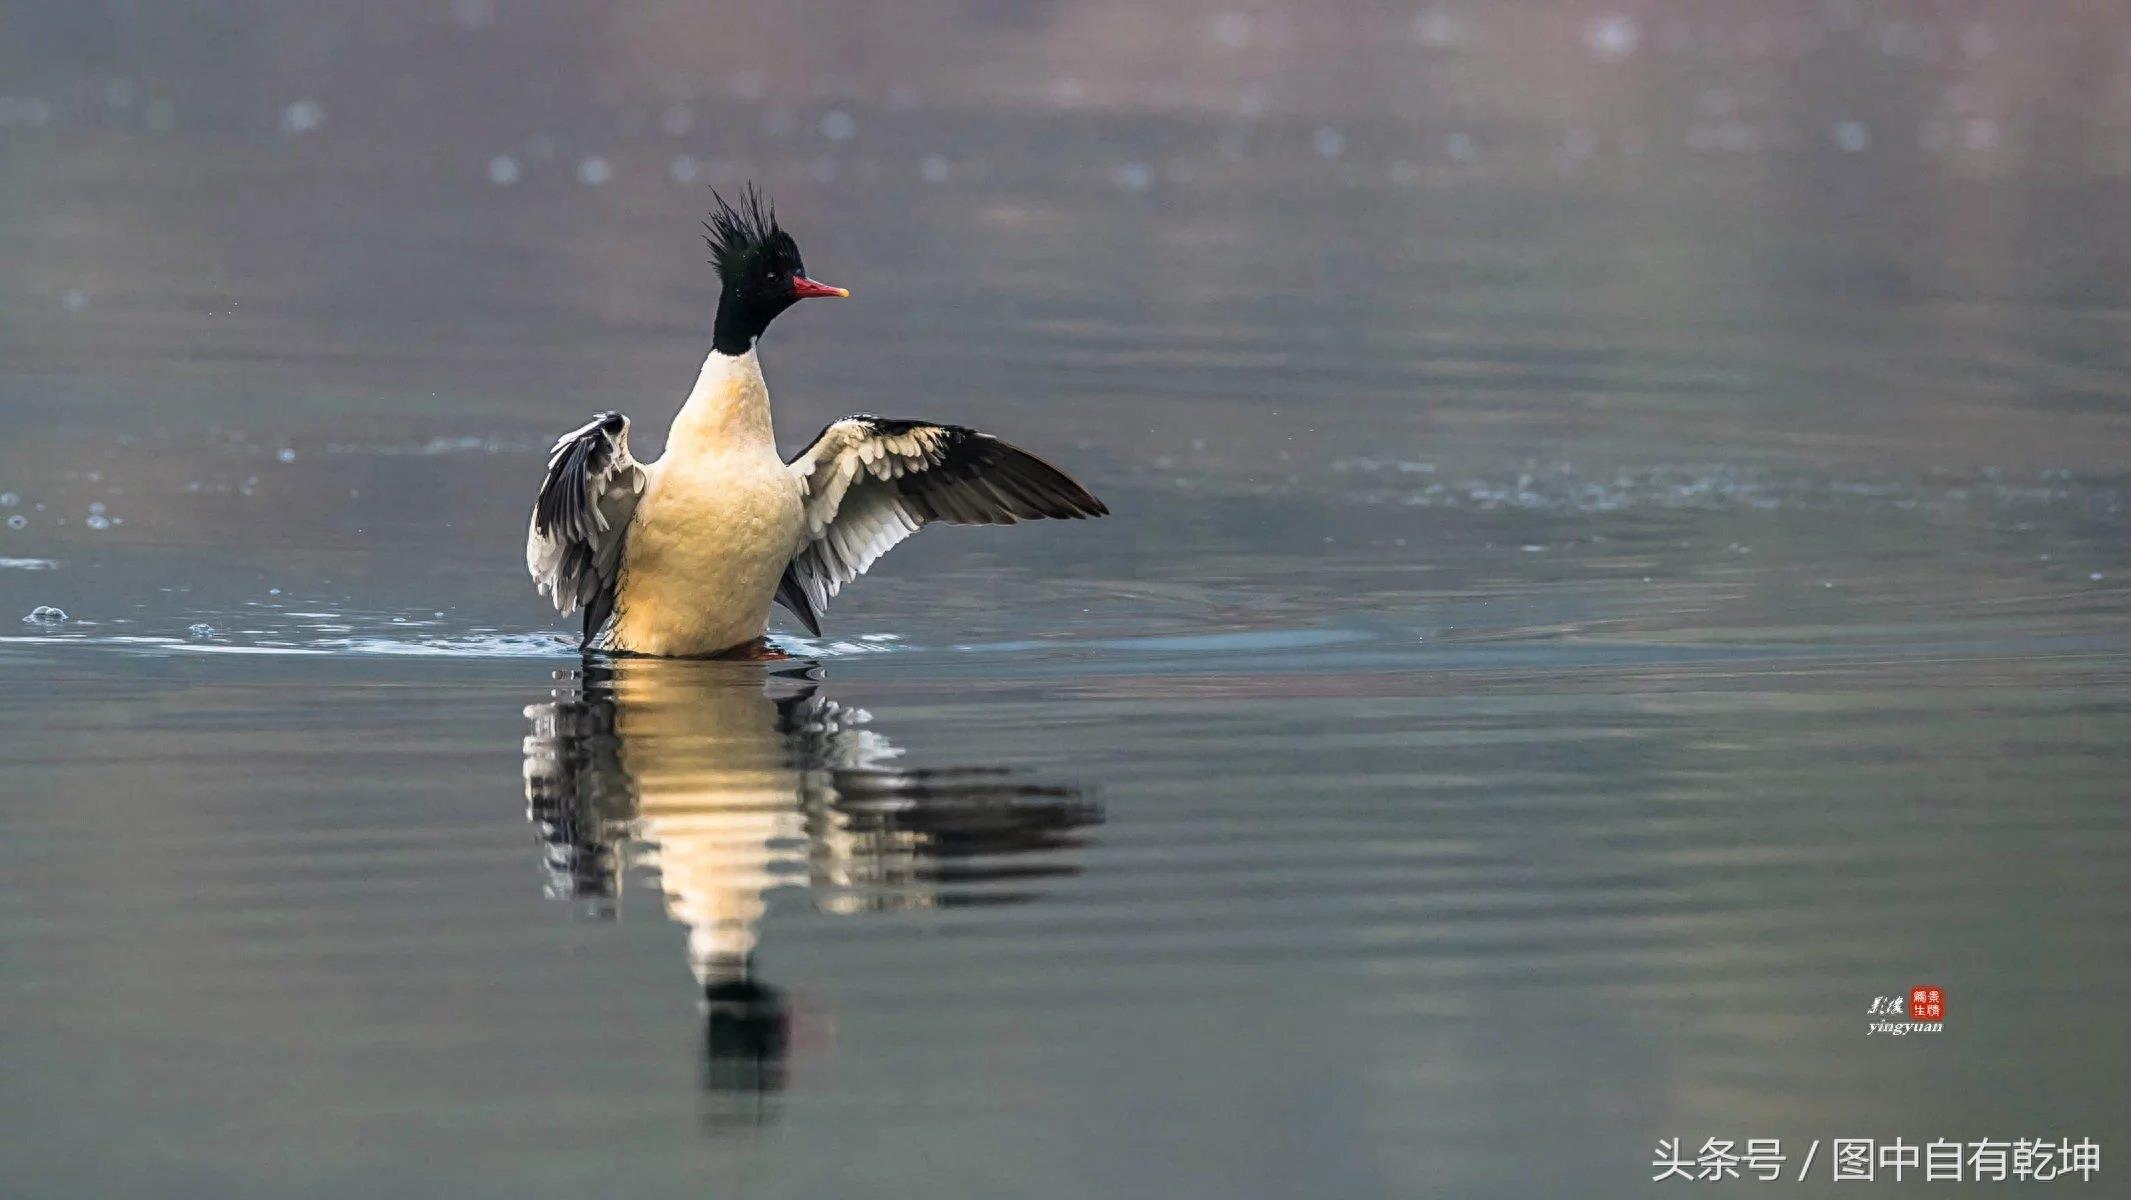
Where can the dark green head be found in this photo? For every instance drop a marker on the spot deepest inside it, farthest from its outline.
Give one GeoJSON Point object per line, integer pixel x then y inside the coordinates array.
{"type": "Point", "coordinates": [758, 264]}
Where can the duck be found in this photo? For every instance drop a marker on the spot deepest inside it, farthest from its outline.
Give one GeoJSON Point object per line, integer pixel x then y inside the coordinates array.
{"type": "Point", "coordinates": [683, 556]}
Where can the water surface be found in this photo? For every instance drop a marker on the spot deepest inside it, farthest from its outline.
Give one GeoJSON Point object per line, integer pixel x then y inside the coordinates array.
{"type": "Point", "coordinates": [1620, 559]}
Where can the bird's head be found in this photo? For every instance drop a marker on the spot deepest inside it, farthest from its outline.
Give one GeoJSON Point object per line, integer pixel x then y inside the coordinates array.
{"type": "Point", "coordinates": [758, 265]}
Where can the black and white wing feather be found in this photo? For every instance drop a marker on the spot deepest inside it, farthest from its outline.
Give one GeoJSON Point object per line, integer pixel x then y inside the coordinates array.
{"type": "Point", "coordinates": [574, 544]}
{"type": "Point", "coordinates": [870, 482]}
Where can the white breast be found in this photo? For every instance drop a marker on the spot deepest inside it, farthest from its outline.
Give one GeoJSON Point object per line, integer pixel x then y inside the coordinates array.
{"type": "Point", "coordinates": [719, 519]}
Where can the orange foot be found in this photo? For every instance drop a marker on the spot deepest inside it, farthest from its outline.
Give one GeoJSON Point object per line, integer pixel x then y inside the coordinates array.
{"type": "Point", "coordinates": [758, 650]}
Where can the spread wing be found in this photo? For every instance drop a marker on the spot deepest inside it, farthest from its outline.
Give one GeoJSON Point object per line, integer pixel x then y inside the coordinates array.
{"type": "Point", "coordinates": [573, 546]}
{"type": "Point", "coordinates": [872, 481]}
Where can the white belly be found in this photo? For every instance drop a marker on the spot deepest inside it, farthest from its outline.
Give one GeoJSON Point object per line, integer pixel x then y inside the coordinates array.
{"type": "Point", "coordinates": [710, 540]}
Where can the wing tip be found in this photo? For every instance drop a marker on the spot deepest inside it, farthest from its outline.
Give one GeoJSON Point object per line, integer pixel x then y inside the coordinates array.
{"type": "Point", "coordinates": [792, 594]}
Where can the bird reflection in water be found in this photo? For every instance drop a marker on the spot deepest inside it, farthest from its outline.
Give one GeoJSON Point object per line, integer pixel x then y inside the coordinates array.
{"type": "Point", "coordinates": [728, 783]}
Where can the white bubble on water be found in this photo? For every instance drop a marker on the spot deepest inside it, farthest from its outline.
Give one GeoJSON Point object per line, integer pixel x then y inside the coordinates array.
{"type": "Point", "coordinates": [303, 116]}
{"type": "Point", "coordinates": [677, 120]}
{"type": "Point", "coordinates": [24, 110]}
{"type": "Point", "coordinates": [934, 169]}
{"type": "Point", "coordinates": [18, 521]}
{"type": "Point", "coordinates": [503, 170]}
{"type": "Point", "coordinates": [9, 499]}
{"type": "Point", "coordinates": [1613, 37]}
{"type": "Point", "coordinates": [473, 14]}
{"type": "Point", "coordinates": [1853, 137]}
{"type": "Point", "coordinates": [1438, 28]}
{"type": "Point", "coordinates": [594, 171]}
{"type": "Point", "coordinates": [1133, 177]}
{"type": "Point", "coordinates": [838, 125]}
{"type": "Point", "coordinates": [200, 629]}
{"type": "Point", "coordinates": [684, 169]}
{"type": "Point", "coordinates": [273, 591]}
{"type": "Point", "coordinates": [46, 614]}
{"type": "Point", "coordinates": [97, 521]}
{"type": "Point", "coordinates": [96, 509]}
{"type": "Point", "coordinates": [285, 454]}
{"type": "Point", "coordinates": [1328, 142]}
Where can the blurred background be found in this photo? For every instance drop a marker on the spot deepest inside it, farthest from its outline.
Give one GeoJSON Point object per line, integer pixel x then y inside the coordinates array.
{"type": "Point", "coordinates": [1483, 257]}
{"type": "Point", "coordinates": [1620, 559]}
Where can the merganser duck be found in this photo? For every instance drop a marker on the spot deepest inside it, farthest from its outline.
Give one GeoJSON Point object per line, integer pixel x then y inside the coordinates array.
{"type": "Point", "coordinates": [683, 556]}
